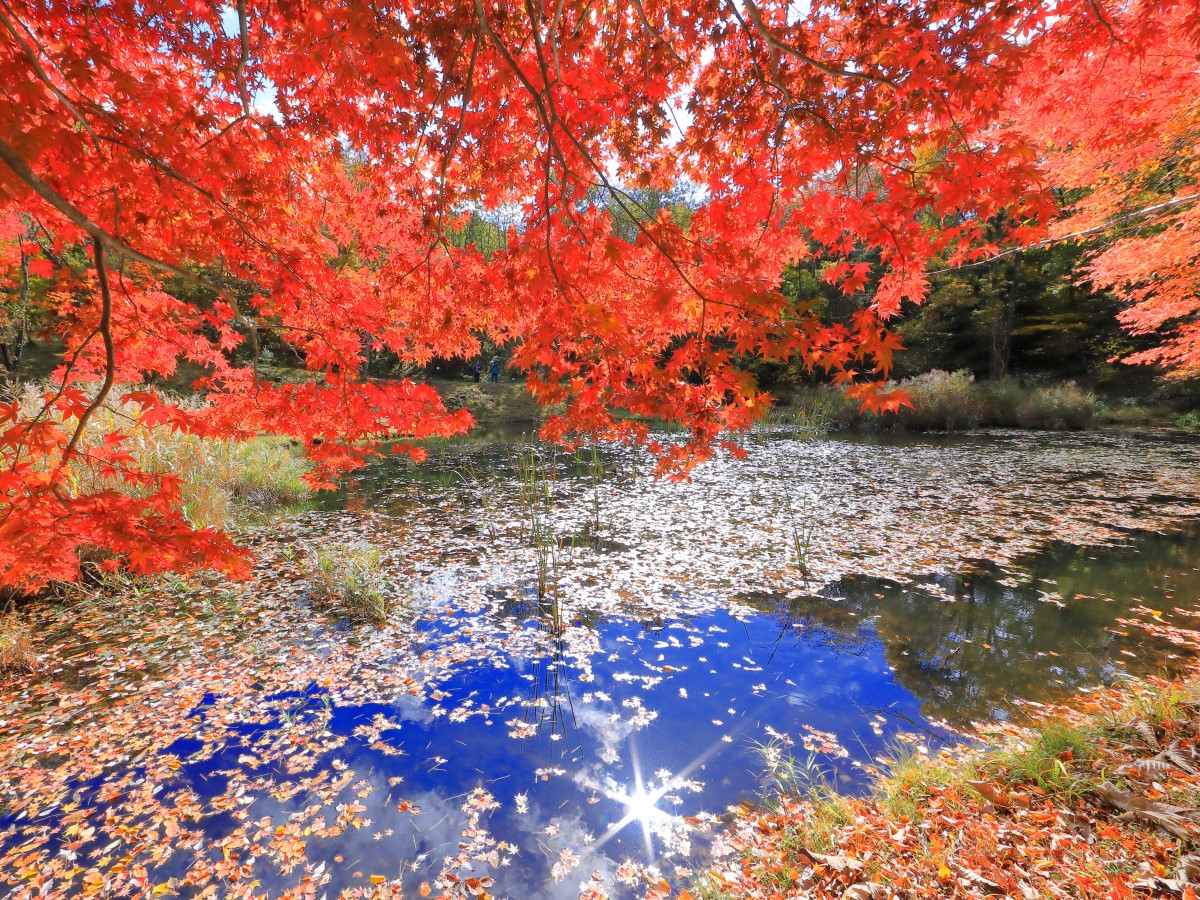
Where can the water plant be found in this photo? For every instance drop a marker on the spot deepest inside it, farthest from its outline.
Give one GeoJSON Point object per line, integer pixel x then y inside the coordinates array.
{"type": "Point", "coordinates": [1061, 407]}
{"type": "Point", "coordinates": [537, 473]}
{"type": "Point", "coordinates": [820, 412]}
{"type": "Point", "coordinates": [350, 581]}
{"type": "Point", "coordinates": [475, 492]}
{"type": "Point", "coordinates": [787, 774]}
{"type": "Point", "coordinates": [591, 463]}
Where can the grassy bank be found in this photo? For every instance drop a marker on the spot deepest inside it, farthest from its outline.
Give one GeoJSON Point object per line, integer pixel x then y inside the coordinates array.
{"type": "Point", "coordinates": [505, 403]}
{"type": "Point", "coordinates": [1098, 800]}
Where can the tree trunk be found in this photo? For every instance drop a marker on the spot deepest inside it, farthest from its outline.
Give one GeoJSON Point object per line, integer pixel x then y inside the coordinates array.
{"type": "Point", "coordinates": [10, 352]}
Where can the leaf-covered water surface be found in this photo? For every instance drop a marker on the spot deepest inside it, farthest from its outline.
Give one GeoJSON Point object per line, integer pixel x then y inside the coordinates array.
{"type": "Point", "coordinates": [583, 668]}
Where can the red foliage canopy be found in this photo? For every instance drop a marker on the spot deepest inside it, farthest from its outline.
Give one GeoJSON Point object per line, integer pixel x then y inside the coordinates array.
{"type": "Point", "coordinates": [1113, 106]}
{"type": "Point", "coordinates": [199, 154]}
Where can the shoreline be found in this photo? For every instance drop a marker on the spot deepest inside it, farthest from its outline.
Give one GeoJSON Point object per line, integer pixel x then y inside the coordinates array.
{"type": "Point", "coordinates": [1096, 797]}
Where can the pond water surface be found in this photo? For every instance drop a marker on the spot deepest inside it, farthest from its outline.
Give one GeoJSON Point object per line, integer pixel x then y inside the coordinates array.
{"type": "Point", "coordinates": [586, 667]}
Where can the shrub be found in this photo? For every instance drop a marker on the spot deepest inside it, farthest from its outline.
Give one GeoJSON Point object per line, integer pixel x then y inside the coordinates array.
{"type": "Point", "coordinates": [350, 581]}
{"type": "Point", "coordinates": [1063, 406]}
{"type": "Point", "coordinates": [954, 401]}
{"type": "Point", "coordinates": [1189, 420]}
{"type": "Point", "coordinates": [1000, 400]}
{"type": "Point", "coordinates": [944, 401]}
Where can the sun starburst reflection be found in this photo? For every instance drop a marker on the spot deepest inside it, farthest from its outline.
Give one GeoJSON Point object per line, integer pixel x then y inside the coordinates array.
{"type": "Point", "coordinates": [641, 801]}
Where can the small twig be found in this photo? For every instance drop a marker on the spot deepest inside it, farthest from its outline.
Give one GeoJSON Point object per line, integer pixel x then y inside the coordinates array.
{"type": "Point", "coordinates": [777, 45]}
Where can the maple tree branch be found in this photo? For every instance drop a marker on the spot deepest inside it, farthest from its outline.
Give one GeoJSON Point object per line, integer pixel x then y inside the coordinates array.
{"type": "Point", "coordinates": [448, 157]}
{"type": "Point", "coordinates": [110, 356]}
{"type": "Point", "coordinates": [777, 45]}
{"type": "Point", "coordinates": [229, 210]}
{"type": "Point", "coordinates": [762, 76]}
{"type": "Point", "coordinates": [21, 168]}
{"type": "Point", "coordinates": [97, 233]}
{"type": "Point", "coordinates": [244, 117]}
{"type": "Point", "coordinates": [1086, 232]}
{"type": "Point", "coordinates": [43, 75]}
{"type": "Point", "coordinates": [550, 118]}
{"type": "Point", "coordinates": [641, 11]}
{"type": "Point", "coordinates": [239, 74]}
{"type": "Point", "coordinates": [494, 38]}
{"type": "Point", "coordinates": [1103, 21]}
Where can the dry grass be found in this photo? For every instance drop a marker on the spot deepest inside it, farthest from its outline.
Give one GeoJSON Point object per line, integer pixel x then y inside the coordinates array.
{"type": "Point", "coordinates": [954, 401]}
{"type": "Point", "coordinates": [222, 481]}
{"type": "Point", "coordinates": [18, 646]}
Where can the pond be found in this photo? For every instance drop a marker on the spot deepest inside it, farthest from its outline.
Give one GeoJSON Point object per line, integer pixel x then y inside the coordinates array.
{"type": "Point", "coordinates": [586, 669]}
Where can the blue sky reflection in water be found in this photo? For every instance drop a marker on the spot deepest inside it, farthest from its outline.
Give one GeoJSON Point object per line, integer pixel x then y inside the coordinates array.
{"type": "Point", "coordinates": [477, 742]}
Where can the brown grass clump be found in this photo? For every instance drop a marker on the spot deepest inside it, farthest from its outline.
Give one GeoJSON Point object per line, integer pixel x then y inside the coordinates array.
{"type": "Point", "coordinates": [18, 646]}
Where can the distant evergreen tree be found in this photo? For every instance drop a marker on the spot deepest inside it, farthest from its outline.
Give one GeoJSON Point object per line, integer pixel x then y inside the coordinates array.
{"type": "Point", "coordinates": [484, 235]}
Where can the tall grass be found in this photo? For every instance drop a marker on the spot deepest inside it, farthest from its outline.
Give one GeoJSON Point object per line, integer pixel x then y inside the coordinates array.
{"type": "Point", "coordinates": [824, 811]}
{"type": "Point", "coordinates": [222, 481]}
{"type": "Point", "coordinates": [954, 401]}
{"type": "Point", "coordinates": [538, 476]}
